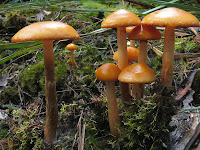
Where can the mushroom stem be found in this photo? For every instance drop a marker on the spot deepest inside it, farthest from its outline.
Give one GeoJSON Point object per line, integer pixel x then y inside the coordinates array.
{"type": "Point", "coordinates": [142, 58]}
{"type": "Point", "coordinates": [123, 60]}
{"type": "Point", "coordinates": [168, 57]}
{"type": "Point", "coordinates": [132, 43]}
{"type": "Point", "coordinates": [113, 112]}
{"type": "Point", "coordinates": [122, 48]}
{"type": "Point", "coordinates": [50, 91]}
{"type": "Point", "coordinates": [73, 60]}
{"type": "Point", "coordinates": [138, 88]}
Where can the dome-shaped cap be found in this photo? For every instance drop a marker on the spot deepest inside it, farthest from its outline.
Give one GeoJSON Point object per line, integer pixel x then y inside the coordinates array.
{"type": "Point", "coordinates": [71, 47]}
{"type": "Point", "coordinates": [144, 32]}
{"type": "Point", "coordinates": [137, 73]}
{"type": "Point", "coordinates": [108, 72]}
{"type": "Point", "coordinates": [48, 30]}
{"type": "Point", "coordinates": [171, 17]}
{"type": "Point", "coordinates": [129, 29]}
{"type": "Point", "coordinates": [131, 52]}
{"type": "Point", "coordinates": [121, 18]}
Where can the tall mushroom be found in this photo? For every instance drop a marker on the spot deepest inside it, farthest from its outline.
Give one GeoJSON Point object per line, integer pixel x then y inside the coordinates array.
{"type": "Point", "coordinates": [143, 33]}
{"type": "Point", "coordinates": [47, 32]}
{"type": "Point", "coordinates": [169, 18]}
{"type": "Point", "coordinates": [109, 74]}
{"type": "Point", "coordinates": [121, 19]}
{"type": "Point", "coordinates": [72, 47]}
{"type": "Point", "coordinates": [137, 73]}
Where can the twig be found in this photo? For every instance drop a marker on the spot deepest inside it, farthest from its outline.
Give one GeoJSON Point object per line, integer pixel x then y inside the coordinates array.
{"type": "Point", "coordinates": [178, 55]}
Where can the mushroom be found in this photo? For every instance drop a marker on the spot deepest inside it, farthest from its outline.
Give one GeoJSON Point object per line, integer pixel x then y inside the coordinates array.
{"type": "Point", "coordinates": [72, 47]}
{"type": "Point", "coordinates": [137, 73]}
{"type": "Point", "coordinates": [128, 30]}
{"type": "Point", "coordinates": [169, 18]}
{"type": "Point", "coordinates": [121, 19]}
{"type": "Point", "coordinates": [143, 33]}
{"type": "Point", "coordinates": [132, 54]}
{"type": "Point", "coordinates": [47, 32]}
{"type": "Point", "coordinates": [109, 74]}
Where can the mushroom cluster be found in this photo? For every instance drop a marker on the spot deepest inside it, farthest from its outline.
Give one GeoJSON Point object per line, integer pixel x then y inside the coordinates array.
{"type": "Point", "coordinates": [139, 73]}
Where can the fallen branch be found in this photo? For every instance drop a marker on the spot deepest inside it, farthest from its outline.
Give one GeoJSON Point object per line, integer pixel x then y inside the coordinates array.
{"type": "Point", "coordinates": [178, 55]}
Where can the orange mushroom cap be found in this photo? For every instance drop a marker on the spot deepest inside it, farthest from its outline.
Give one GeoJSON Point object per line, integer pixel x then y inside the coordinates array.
{"type": "Point", "coordinates": [129, 29]}
{"type": "Point", "coordinates": [121, 18]}
{"type": "Point", "coordinates": [137, 73]}
{"type": "Point", "coordinates": [71, 46]}
{"type": "Point", "coordinates": [108, 72]}
{"type": "Point", "coordinates": [171, 17]}
{"type": "Point", "coordinates": [144, 32]}
{"type": "Point", "coordinates": [131, 52]}
{"type": "Point", "coordinates": [48, 30]}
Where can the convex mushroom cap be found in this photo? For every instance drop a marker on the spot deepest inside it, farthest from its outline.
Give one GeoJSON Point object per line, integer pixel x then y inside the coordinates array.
{"type": "Point", "coordinates": [121, 18]}
{"type": "Point", "coordinates": [137, 73]}
{"type": "Point", "coordinates": [48, 30]}
{"type": "Point", "coordinates": [108, 72]}
{"type": "Point", "coordinates": [144, 32]}
{"type": "Point", "coordinates": [171, 17]}
{"type": "Point", "coordinates": [71, 47]}
{"type": "Point", "coordinates": [131, 52]}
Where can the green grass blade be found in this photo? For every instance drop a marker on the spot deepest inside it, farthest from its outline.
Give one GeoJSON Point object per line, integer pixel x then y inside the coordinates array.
{"type": "Point", "coordinates": [18, 45]}
{"type": "Point", "coordinates": [96, 31]}
{"type": "Point", "coordinates": [3, 60]}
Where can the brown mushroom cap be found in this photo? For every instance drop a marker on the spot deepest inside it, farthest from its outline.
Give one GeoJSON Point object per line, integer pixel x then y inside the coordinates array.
{"type": "Point", "coordinates": [131, 52]}
{"type": "Point", "coordinates": [71, 46]}
{"type": "Point", "coordinates": [121, 18]}
{"type": "Point", "coordinates": [171, 17]}
{"type": "Point", "coordinates": [137, 73]}
{"type": "Point", "coordinates": [48, 30]}
{"type": "Point", "coordinates": [144, 32]}
{"type": "Point", "coordinates": [108, 72]}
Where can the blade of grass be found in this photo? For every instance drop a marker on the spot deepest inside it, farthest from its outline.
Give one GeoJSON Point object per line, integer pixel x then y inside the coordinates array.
{"type": "Point", "coordinates": [3, 60]}
{"type": "Point", "coordinates": [18, 45]}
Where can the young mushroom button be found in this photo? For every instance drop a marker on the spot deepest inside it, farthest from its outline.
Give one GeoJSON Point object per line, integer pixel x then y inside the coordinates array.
{"type": "Point", "coordinates": [47, 32]}
{"type": "Point", "coordinates": [72, 47]}
{"type": "Point", "coordinates": [169, 18]}
{"type": "Point", "coordinates": [109, 74]}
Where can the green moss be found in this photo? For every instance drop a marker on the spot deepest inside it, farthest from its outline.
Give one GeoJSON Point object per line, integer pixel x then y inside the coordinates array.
{"type": "Point", "coordinates": [32, 78]}
{"type": "Point", "coordinates": [183, 45]}
{"type": "Point", "coordinates": [144, 124]}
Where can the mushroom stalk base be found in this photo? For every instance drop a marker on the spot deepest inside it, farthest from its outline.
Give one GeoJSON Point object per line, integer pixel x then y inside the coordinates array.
{"type": "Point", "coordinates": [113, 112]}
{"type": "Point", "coordinates": [50, 91]}
{"type": "Point", "coordinates": [73, 60]}
{"type": "Point", "coordinates": [168, 57]}
{"type": "Point", "coordinates": [123, 60]}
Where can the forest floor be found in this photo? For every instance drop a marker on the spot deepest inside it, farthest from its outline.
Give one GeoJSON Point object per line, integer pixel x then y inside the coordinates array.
{"type": "Point", "coordinates": [163, 119]}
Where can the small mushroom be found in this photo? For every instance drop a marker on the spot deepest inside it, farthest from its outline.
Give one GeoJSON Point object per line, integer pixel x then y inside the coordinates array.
{"type": "Point", "coordinates": [47, 32]}
{"type": "Point", "coordinates": [169, 18]}
{"type": "Point", "coordinates": [72, 47]}
{"type": "Point", "coordinates": [137, 73]}
{"type": "Point", "coordinates": [121, 19]}
{"type": "Point", "coordinates": [132, 54]}
{"type": "Point", "coordinates": [109, 74]}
